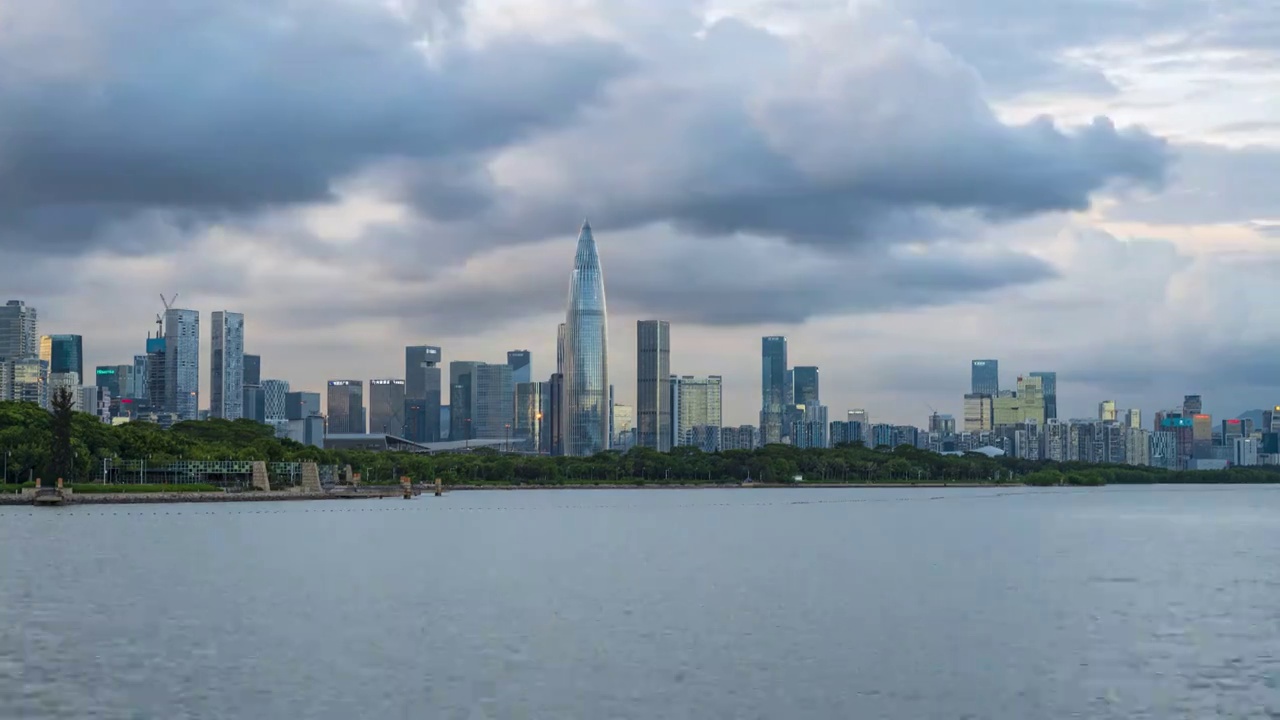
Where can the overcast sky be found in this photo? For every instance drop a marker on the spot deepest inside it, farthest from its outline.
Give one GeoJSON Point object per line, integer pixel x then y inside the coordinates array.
{"type": "Point", "coordinates": [1086, 186]}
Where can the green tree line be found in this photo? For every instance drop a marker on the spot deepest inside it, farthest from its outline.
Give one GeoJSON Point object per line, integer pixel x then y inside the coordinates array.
{"type": "Point", "coordinates": [29, 438]}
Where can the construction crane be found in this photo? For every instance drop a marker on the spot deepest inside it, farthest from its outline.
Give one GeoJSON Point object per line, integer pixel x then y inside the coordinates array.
{"type": "Point", "coordinates": [168, 304]}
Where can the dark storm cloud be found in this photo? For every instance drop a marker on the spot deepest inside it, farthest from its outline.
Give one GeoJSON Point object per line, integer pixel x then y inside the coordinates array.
{"type": "Point", "coordinates": [825, 148]}
{"type": "Point", "coordinates": [218, 110]}
{"type": "Point", "coordinates": [229, 106]}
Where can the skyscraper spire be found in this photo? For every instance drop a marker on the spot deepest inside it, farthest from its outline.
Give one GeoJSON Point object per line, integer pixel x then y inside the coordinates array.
{"type": "Point", "coordinates": [585, 428]}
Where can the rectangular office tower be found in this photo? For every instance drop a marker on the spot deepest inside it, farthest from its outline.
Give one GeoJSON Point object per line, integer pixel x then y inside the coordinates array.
{"type": "Point", "coordinates": [653, 385]}
{"type": "Point", "coordinates": [226, 360]}
{"type": "Point", "coordinates": [422, 393]}
{"type": "Point", "coordinates": [533, 413]}
{"type": "Point", "coordinates": [773, 387]}
{"type": "Point", "coordinates": [253, 399]}
{"type": "Point", "coordinates": [64, 353]}
{"type": "Point", "coordinates": [18, 337]}
{"type": "Point", "coordinates": [386, 406]}
{"type": "Point", "coordinates": [346, 407]}
{"type": "Point", "coordinates": [984, 377]}
{"type": "Point", "coordinates": [301, 405]}
{"type": "Point", "coordinates": [494, 402]}
{"type": "Point", "coordinates": [696, 405]}
{"type": "Point", "coordinates": [520, 362]}
{"type": "Point", "coordinates": [805, 383]}
{"type": "Point", "coordinates": [182, 363]}
{"type": "Point", "coordinates": [1049, 383]}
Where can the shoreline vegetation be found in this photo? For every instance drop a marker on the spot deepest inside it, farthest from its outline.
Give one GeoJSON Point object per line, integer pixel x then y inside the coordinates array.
{"type": "Point", "coordinates": [40, 444]}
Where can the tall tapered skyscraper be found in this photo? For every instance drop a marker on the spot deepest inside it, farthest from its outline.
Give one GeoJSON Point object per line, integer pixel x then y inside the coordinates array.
{"type": "Point", "coordinates": [585, 420]}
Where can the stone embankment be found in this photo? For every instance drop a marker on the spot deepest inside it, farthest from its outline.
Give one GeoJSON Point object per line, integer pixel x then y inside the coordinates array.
{"type": "Point", "coordinates": [178, 497]}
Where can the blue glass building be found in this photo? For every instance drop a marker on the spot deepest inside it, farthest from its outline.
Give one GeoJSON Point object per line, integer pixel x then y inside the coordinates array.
{"type": "Point", "coordinates": [585, 417]}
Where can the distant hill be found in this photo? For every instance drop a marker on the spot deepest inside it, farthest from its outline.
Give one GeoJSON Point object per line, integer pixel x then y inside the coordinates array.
{"type": "Point", "coordinates": [1254, 415]}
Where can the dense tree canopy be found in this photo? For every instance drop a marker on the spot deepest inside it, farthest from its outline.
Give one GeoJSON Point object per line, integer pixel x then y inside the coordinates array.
{"type": "Point", "coordinates": [27, 433]}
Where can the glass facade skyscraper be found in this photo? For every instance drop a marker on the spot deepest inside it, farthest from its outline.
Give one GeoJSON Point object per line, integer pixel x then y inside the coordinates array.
{"type": "Point", "coordinates": [806, 386]}
{"type": "Point", "coordinates": [773, 387]}
{"type": "Point", "coordinates": [18, 337]}
{"type": "Point", "coordinates": [422, 393]}
{"type": "Point", "coordinates": [586, 354]}
{"type": "Point", "coordinates": [386, 406]}
{"type": "Point", "coordinates": [1049, 381]}
{"type": "Point", "coordinates": [462, 399]}
{"type": "Point", "coordinates": [493, 412]}
{"type": "Point", "coordinates": [521, 366]}
{"type": "Point", "coordinates": [64, 353]}
{"type": "Point", "coordinates": [653, 384]}
{"type": "Point", "coordinates": [984, 377]}
{"type": "Point", "coordinates": [345, 405]}
{"type": "Point", "coordinates": [226, 360]}
{"type": "Point", "coordinates": [532, 414]}
{"type": "Point", "coordinates": [182, 363]}
{"type": "Point", "coordinates": [252, 369]}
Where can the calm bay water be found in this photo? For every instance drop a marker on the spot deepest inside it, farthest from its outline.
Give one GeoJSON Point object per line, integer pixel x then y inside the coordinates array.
{"type": "Point", "coordinates": [1105, 603]}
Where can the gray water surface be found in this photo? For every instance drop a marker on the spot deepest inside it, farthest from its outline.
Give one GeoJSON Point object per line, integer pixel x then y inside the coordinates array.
{"type": "Point", "coordinates": [1148, 602]}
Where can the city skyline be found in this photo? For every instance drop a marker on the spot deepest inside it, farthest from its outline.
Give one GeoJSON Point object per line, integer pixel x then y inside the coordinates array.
{"type": "Point", "coordinates": [948, 405]}
{"type": "Point", "coordinates": [757, 200]}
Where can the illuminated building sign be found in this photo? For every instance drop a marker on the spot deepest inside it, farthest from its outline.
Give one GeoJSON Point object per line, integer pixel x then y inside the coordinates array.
{"type": "Point", "coordinates": [106, 371]}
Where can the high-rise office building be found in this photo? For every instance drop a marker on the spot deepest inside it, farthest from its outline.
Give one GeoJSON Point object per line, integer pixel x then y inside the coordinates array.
{"type": "Point", "coordinates": [521, 367]}
{"type": "Point", "coordinates": [1201, 436]}
{"type": "Point", "coordinates": [554, 426]}
{"type": "Point", "coordinates": [157, 375]}
{"type": "Point", "coordinates": [345, 405]}
{"type": "Point", "coordinates": [586, 354]}
{"type": "Point", "coordinates": [805, 384]}
{"type": "Point", "coordinates": [18, 326]}
{"type": "Point", "coordinates": [773, 387]}
{"type": "Point", "coordinates": [141, 372]}
{"type": "Point", "coordinates": [226, 361]}
{"type": "Point", "coordinates": [462, 399]}
{"type": "Point", "coordinates": [494, 409]}
{"type": "Point", "coordinates": [301, 405]}
{"type": "Point", "coordinates": [532, 414]}
{"type": "Point", "coordinates": [25, 379]}
{"type": "Point", "coordinates": [1133, 418]}
{"type": "Point", "coordinates": [182, 363]}
{"type": "Point", "coordinates": [624, 427]}
{"type": "Point", "coordinates": [422, 393]}
{"type": "Point", "coordinates": [560, 349]}
{"type": "Point", "coordinates": [1049, 384]}
{"type": "Point", "coordinates": [1192, 405]}
{"type": "Point", "coordinates": [653, 384]}
{"type": "Point", "coordinates": [979, 412]}
{"type": "Point", "coordinates": [63, 353]}
{"type": "Point", "coordinates": [699, 402]}
{"type": "Point", "coordinates": [985, 377]}
{"type": "Point", "coordinates": [1107, 411]}
{"type": "Point", "coordinates": [386, 406]}
{"type": "Point", "coordinates": [274, 396]}
{"type": "Point", "coordinates": [252, 369]}
{"type": "Point", "coordinates": [253, 403]}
